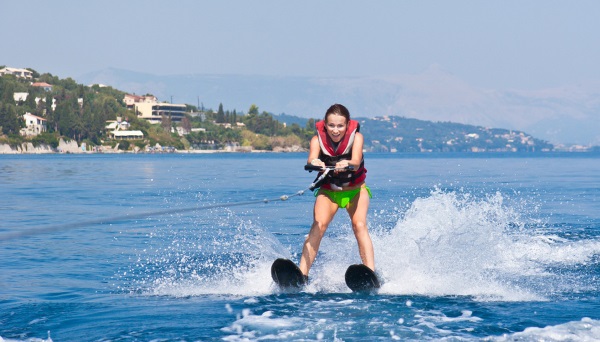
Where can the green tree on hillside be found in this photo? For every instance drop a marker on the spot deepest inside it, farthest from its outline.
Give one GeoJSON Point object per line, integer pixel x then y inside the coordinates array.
{"type": "Point", "coordinates": [7, 89]}
{"type": "Point", "coordinates": [220, 114]}
{"type": "Point", "coordinates": [253, 110]}
{"type": "Point", "coordinates": [262, 123]}
{"type": "Point", "coordinates": [64, 118]}
{"type": "Point", "coordinates": [10, 120]}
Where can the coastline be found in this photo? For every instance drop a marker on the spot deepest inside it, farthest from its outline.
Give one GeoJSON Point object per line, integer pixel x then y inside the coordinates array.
{"type": "Point", "coordinates": [72, 147]}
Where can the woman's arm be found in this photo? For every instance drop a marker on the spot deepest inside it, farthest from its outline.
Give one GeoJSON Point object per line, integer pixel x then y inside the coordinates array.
{"type": "Point", "coordinates": [313, 154]}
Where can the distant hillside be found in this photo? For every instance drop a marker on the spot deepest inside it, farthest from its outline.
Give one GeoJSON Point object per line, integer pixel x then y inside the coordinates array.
{"type": "Point", "coordinates": [569, 114]}
{"type": "Point", "coordinates": [397, 134]}
{"type": "Point", "coordinates": [81, 113]}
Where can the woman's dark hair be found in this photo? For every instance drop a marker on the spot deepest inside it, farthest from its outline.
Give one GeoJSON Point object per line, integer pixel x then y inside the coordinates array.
{"type": "Point", "coordinates": [339, 110]}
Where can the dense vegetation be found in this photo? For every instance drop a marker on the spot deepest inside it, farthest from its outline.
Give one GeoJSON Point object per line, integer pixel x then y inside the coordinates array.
{"type": "Point", "coordinates": [80, 113]}
{"type": "Point", "coordinates": [253, 129]}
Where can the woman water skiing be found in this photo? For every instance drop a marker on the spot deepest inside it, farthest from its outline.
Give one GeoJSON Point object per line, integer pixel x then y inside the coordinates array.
{"type": "Point", "coordinates": [339, 144]}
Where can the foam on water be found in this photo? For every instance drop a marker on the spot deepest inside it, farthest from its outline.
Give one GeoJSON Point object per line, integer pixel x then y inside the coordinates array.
{"type": "Point", "coordinates": [456, 244]}
{"type": "Point", "coordinates": [226, 256]}
{"type": "Point", "coordinates": [447, 243]}
{"type": "Point", "coordinates": [270, 327]}
{"type": "Point", "coordinates": [31, 339]}
{"type": "Point", "coordinates": [585, 330]}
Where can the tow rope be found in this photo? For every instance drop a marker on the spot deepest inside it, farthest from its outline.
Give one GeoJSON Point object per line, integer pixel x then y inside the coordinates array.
{"type": "Point", "coordinates": [75, 225]}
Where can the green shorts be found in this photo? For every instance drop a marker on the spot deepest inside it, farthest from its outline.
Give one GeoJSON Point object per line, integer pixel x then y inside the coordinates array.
{"type": "Point", "coordinates": [342, 198]}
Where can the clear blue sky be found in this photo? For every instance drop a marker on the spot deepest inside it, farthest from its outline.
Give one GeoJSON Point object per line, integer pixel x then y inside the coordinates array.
{"type": "Point", "coordinates": [497, 44]}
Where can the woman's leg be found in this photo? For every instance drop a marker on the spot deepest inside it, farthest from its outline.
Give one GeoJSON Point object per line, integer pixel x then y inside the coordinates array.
{"type": "Point", "coordinates": [323, 212]}
{"type": "Point", "coordinates": [357, 209]}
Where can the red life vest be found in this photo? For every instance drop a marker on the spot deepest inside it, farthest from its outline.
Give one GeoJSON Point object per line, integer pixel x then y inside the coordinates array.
{"type": "Point", "coordinates": [331, 154]}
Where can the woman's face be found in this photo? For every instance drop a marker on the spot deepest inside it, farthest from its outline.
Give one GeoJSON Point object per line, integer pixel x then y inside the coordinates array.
{"type": "Point", "coordinates": [336, 126]}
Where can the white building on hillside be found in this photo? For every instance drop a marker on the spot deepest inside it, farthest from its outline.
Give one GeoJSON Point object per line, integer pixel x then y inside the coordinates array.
{"type": "Point", "coordinates": [131, 100]}
{"type": "Point", "coordinates": [34, 125]}
{"type": "Point", "coordinates": [154, 112]}
{"type": "Point", "coordinates": [127, 135]}
{"type": "Point", "coordinates": [120, 130]}
{"type": "Point", "coordinates": [43, 85]}
{"type": "Point", "coordinates": [147, 107]}
{"type": "Point", "coordinates": [20, 73]}
{"type": "Point", "coordinates": [20, 97]}
{"type": "Point", "coordinates": [43, 99]}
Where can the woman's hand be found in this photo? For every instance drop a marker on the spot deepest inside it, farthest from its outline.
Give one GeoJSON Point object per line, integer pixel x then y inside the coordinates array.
{"type": "Point", "coordinates": [318, 162]}
{"type": "Point", "coordinates": [341, 165]}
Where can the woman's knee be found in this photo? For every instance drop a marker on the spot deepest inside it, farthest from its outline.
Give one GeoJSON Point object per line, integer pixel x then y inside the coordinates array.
{"type": "Point", "coordinates": [359, 227]}
{"type": "Point", "coordinates": [319, 227]}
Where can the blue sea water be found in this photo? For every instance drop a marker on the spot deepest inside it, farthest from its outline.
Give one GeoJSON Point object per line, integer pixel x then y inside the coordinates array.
{"type": "Point", "coordinates": [471, 247]}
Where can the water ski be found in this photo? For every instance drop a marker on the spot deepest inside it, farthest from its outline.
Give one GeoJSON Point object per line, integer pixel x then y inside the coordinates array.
{"type": "Point", "coordinates": [287, 275]}
{"type": "Point", "coordinates": [361, 278]}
